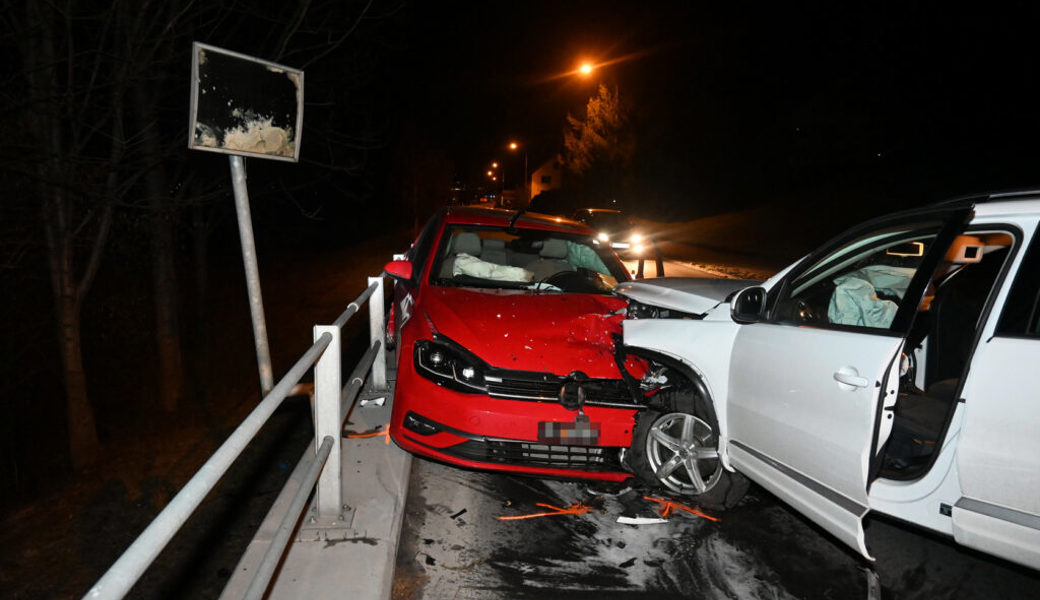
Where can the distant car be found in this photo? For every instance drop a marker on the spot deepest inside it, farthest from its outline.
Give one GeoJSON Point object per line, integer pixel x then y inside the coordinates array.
{"type": "Point", "coordinates": [891, 370]}
{"type": "Point", "coordinates": [614, 228]}
{"type": "Point", "coordinates": [503, 325]}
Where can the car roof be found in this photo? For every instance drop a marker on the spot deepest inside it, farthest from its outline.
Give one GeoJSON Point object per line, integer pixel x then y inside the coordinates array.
{"type": "Point", "coordinates": [500, 217]}
{"type": "Point", "coordinates": [1014, 202]}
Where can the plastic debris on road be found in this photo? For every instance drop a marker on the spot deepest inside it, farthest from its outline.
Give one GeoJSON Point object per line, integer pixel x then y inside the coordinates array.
{"type": "Point", "coordinates": [377, 432]}
{"type": "Point", "coordinates": [373, 401]}
{"type": "Point", "coordinates": [670, 506]}
{"type": "Point", "coordinates": [578, 508]}
{"type": "Point", "coordinates": [640, 520]}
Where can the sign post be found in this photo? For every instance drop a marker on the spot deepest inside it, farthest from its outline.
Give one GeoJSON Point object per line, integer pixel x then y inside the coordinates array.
{"type": "Point", "coordinates": [244, 106]}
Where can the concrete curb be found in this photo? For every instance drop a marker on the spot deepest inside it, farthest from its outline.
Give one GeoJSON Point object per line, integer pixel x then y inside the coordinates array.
{"type": "Point", "coordinates": [352, 557]}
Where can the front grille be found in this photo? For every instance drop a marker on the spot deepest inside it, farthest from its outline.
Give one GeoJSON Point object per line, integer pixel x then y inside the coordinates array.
{"type": "Point", "coordinates": [583, 458]}
{"type": "Point", "coordinates": [598, 392]}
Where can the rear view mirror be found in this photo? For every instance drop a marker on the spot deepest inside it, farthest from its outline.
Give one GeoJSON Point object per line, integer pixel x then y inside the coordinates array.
{"type": "Point", "coordinates": [906, 249]}
{"type": "Point", "coordinates": [749, 305]}
{"type": "Point", "coordinates": [400, 270]}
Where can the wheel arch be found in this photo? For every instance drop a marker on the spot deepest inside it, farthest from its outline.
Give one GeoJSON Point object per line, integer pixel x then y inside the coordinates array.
{"type": "Point", "coordinates": [699, 380]}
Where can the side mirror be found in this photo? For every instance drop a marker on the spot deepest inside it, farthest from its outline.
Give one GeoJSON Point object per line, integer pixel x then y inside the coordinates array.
{"type": "Point", "coordinates": [749, 305]}
{"type": "Point", "coordinates": [400, 270]}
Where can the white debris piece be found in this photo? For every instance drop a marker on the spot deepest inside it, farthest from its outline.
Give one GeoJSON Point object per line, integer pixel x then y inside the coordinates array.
{"type": "Point", "coordinates": [373, 401]}
{"type": "Point", "coordinates": [640, 520]}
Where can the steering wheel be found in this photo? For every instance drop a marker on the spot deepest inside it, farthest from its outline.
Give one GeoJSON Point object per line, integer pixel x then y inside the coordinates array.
{"type": "Point", "coordinates": [562, 279]}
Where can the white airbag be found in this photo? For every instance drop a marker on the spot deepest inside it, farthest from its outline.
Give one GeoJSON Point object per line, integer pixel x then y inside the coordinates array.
{"type": "Point", "coordinates": [855, 300]}
{"type": "Point", "coordinates": [474, 267]}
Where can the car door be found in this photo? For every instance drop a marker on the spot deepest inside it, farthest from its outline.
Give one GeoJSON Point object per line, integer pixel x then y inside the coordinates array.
{"type": "Point", "coordinates": [405, 292]}
{"type": "Point", "coordinates": [998, 456]}
{"type": "Point", "coordinates": [809, 384]}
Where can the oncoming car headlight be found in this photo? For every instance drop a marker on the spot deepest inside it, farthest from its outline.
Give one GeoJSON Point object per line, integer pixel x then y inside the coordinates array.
{"type": "Point", "coordinates": [603, 237]}
{"type": "Point", "coordinates": [448, 367]}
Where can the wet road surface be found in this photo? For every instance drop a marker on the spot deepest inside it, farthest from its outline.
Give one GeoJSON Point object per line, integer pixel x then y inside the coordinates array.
{"type": "Point", "coordinates": [453, 546]}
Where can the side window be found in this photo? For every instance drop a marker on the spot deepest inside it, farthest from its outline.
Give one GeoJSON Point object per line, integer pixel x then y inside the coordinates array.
{"type": "Point", "coordinates": [420, 250]}
{"type": "Point", "coordinates": [1021, 316]}
{"type": "Point", "coordinates": [860, 284]}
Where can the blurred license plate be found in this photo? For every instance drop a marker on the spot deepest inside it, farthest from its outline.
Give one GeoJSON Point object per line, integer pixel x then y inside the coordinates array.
{"type": "Point", "coordinates": [581, 432]}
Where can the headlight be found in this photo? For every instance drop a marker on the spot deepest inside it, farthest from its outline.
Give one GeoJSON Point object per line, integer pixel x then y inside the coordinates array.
{"type": "Point", "coordinates": [603, 237]}
{"type": "Point", "coordinates": [637, 238]}
{"type": "Point", "coordinates": [448, 367]}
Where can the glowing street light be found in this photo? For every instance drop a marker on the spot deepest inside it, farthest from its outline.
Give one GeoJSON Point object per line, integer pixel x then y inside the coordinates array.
{"type": "Point", "coordinates": [586, 69]}
{"type": "Point", "coordinates": [514, 146]}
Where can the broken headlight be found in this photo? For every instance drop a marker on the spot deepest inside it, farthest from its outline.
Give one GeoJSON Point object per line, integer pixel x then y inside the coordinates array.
{"type": "Point", "coordinates": [638, 310]}
{"type": "Point", "coordinates": [447, 366]}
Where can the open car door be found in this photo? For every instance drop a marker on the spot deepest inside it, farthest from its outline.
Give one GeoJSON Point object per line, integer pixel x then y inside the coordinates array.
{"type": "Point", "coordinates": [813, 382]}
{"type": "Point", "coordinates": [998, 454]}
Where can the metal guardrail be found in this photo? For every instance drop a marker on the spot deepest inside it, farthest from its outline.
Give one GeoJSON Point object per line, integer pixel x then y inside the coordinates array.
{"type": "Point", "coordinates": [324, 470]}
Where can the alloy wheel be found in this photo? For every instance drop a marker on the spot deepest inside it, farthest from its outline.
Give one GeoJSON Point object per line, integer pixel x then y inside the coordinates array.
{"type": "Point", "coordinates": [682, 450]}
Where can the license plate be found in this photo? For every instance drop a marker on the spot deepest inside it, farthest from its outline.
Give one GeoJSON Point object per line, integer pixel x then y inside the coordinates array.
{"type": "Point", "coordinates": [580, 432]}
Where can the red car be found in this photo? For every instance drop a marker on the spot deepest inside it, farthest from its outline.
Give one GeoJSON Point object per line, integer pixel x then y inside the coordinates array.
{"type": "Point", "coordinates": [504, 324]}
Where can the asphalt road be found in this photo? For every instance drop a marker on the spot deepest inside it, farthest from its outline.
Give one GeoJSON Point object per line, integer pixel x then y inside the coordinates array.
{"type": "Point", "coordinates": [454, 546]}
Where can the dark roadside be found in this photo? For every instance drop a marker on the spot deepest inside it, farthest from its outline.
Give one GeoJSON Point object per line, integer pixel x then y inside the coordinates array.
{"type": "Point", "coordinates": [59, 544]}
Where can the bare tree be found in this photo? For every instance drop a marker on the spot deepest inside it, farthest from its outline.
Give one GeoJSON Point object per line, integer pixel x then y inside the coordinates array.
{"type": "Point", "coordinates": [74, 137]}
{"type": "Point", "coordinates": [95, 110]}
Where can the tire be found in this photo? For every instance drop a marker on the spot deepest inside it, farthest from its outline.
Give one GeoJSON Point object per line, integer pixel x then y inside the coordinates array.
{"type": "Point", "coordinates": [675, 446]}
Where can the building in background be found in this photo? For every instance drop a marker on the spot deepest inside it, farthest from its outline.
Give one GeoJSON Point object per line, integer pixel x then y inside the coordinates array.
{"type": "Point", "coordinates": [548, 176]}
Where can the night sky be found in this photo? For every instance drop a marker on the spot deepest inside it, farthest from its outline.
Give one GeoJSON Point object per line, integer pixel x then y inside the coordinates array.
{"type": "Point", "coordinates": [743, 103]}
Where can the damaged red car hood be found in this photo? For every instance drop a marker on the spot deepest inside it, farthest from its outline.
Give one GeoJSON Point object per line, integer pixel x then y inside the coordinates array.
{"type": "Point", "coordinates": [557, 333]}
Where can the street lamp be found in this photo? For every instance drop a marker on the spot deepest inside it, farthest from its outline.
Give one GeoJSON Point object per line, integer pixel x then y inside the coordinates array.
{"type": "Point", "coordinates": [514, 146]}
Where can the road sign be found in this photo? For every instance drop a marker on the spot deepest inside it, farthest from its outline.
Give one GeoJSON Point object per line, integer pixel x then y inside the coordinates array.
{"type": "Point", "coordinates": [244, 105]}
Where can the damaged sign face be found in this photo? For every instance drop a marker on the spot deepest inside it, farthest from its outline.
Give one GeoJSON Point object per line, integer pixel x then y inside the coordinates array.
{"type": "Point", "coordinates": [243, 105]}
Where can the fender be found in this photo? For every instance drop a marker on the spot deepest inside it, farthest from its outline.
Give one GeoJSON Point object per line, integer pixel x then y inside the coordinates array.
{"type": "Point", "coordinates": [690, 372]}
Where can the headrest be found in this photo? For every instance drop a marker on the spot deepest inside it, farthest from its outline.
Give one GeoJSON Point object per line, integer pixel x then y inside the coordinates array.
{"type": "Point", "coordinates": [494, 244]}
{"type": "Point", "coordinates": [467, 242]}
{"type": "Point", "coordinates": [553, 248]}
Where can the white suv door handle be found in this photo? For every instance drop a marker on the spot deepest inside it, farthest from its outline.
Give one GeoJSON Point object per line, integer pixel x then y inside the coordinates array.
{"type": "Point", "coordinates": [849, 376]}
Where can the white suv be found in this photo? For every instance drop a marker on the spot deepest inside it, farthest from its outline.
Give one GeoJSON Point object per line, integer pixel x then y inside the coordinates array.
{"type": "Point", "coordinates": [891, 370]}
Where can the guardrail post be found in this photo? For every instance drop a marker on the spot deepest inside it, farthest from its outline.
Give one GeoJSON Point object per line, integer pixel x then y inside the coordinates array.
{"type": "Point", "coordinates": [327, 422]}
{"type": "Point", "coordinates": [377, 333]}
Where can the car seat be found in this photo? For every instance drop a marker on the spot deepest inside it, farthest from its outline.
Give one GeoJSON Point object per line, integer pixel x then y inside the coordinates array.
{"type": "Point", "coordinates": [550, 260]}
{"type": "Point", "coordinates": [494, 251]}
{"type": "Point", "coordinates": [465, 242]}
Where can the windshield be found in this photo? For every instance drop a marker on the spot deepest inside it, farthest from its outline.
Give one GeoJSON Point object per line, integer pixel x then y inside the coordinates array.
{"type": "Point", "coordinates": [529, 259]}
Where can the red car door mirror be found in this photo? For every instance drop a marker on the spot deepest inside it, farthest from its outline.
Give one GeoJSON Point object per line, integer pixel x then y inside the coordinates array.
{"type": "Point", "coordinates": [400, 270]}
